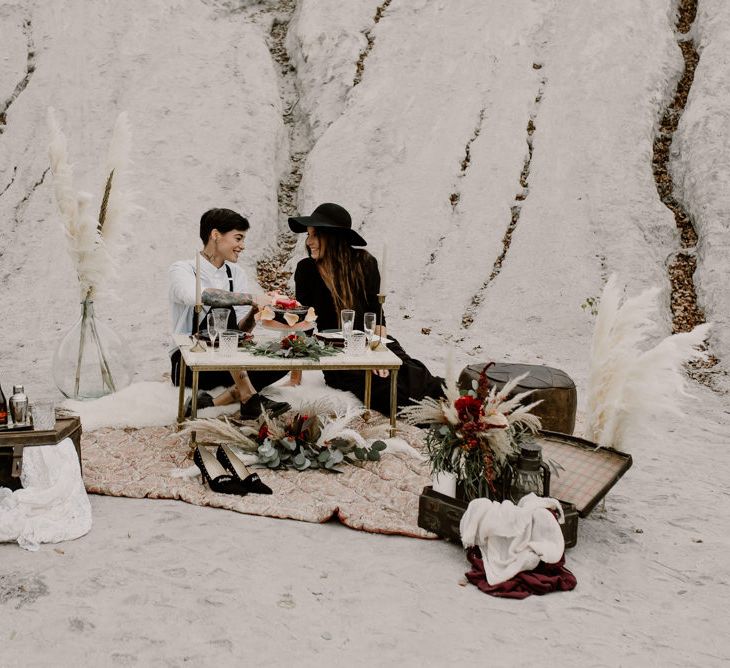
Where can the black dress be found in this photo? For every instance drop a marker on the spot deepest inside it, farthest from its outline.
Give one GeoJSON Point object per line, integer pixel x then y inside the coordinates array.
{"type": "Point", "coordinates": [414, 379]}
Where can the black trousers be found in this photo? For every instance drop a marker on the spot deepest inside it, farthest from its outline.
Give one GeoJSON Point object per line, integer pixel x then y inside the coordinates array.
{"type": "Point", "coordinates": [415, 381]}
{"type": "Point", "coordinates": [207, 380]}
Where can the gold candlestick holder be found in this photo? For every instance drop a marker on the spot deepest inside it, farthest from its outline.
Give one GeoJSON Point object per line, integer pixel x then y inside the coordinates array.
{"type": "Point", "coordinates": [197, 347]}
{"type": "Point", "coordinates": [379, 345]}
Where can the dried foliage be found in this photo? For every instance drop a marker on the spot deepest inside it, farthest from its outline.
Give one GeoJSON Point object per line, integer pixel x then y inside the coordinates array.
{"type": "Point", "coordinates": [628, 379]}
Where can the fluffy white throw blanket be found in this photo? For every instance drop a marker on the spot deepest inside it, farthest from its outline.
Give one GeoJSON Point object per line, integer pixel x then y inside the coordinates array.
{"type": "Point", "coordinates": [53, 505]}
{"type": "Point", "coordinates": [154, 404]}
{"type": "Point", "coordinates": [513, 538]}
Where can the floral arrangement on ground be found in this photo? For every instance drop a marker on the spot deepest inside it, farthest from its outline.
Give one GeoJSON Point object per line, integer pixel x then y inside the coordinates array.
{"type": "Point", "coordinates": [293, 346]}
{"type": "Point", "coordinates": [472, 434]}
{"type": "Point", "coordinates": [309, 439]}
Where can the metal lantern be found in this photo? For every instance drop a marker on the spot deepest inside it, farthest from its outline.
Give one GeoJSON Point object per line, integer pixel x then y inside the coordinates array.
{"type": "Point", "coordinates": [530, 474]}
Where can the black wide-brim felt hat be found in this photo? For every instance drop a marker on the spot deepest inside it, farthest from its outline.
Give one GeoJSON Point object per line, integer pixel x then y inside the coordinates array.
{"type": "Point", "coordinates": [328, 216]}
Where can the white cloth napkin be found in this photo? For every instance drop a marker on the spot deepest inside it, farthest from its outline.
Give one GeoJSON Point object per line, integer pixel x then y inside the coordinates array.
{"type": "Point", "coordinates": [53, 505]}
{"type": "Point", "coordinates": [513, 538]}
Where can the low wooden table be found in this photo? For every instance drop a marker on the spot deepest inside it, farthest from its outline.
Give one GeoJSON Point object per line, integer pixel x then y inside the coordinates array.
{"type": "Point", "coordinates": [215, 361]}
{"type": "Point", "coordinates": [12, 444]}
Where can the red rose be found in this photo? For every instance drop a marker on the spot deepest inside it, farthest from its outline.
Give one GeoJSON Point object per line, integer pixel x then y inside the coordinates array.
{"type": "Point", "coordinates": [470, 409]}
{"type": "Point", "coordinates": [287, 341]}
{"type": "Point", "coordinates": [263, 432]}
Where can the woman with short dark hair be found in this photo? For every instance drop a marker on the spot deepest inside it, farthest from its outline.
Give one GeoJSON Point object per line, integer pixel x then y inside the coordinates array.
{"type": "Point", "coordinates": [223, 285]}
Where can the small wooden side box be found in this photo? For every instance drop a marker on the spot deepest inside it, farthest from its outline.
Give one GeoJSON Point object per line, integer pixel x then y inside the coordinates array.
{"type": "Point", "coordinates": [12, 444]}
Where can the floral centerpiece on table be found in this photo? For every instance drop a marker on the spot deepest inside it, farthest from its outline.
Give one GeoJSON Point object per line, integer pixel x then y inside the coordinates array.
{"type": "Point", "coordinates": [473, 433]}
{"type": "Point", "coordinates": [305, 440]}
{"type": "Point", "coordinates": [294, 346]}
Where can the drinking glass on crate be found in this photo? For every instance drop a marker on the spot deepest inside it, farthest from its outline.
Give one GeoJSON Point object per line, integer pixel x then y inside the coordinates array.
{"type": "Point", "coordinates": [44, 415]}
{"type": "Point", "coordinates": [347, 319]}
{"type": "Point", "coordinates": [368, 325]}
{"type": "Point", "coordinates": [228, 343]}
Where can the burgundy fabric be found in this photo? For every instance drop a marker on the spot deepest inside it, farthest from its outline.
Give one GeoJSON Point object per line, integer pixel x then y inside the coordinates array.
{"type": "Point", "coordinates": [541, 580]}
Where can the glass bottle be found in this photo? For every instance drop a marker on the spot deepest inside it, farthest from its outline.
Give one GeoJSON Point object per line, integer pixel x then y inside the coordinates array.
{"type": "Point", "coordinates": [91, 360]}
{"type": "Point", "coordinates": [3, 408]}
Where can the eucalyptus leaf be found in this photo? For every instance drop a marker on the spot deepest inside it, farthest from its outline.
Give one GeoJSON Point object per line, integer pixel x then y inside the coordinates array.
{"type": "Point", "coordinates": [289, 443]}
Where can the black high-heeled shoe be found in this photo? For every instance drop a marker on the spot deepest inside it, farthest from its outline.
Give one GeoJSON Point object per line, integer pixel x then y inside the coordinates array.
{"type": "Point", "coordinates": [218, 479]}
{"type": "Point", "coordinates": [252, 482]}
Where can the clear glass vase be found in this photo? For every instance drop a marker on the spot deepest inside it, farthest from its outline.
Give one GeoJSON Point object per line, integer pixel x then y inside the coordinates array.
{"type": "Point", "coordinates": [91, 360]}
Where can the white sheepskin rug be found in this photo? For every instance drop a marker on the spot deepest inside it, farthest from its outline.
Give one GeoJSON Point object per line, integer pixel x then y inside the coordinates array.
{"type": "Point", "coordinates": [154, 404]}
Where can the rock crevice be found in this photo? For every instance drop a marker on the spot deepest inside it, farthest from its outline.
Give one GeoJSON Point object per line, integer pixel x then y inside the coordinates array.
{"type": "Point", "coordinates": [24, 81]}
{"type": "Point", "coordinates": [515, 210]}
{"type": "Point", "coordinates": [687, 313]}
{"type": "Point", "coordinates": [360, 65]}
{"type": "Point", "coordinates": [272, 272]}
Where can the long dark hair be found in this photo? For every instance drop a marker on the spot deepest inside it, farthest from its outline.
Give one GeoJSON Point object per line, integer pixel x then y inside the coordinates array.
{"type": "Point", "coordinates": [342, 268]}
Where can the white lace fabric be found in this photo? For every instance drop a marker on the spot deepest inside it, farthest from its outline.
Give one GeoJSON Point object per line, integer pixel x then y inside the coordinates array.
{"type": "Point", "coordinates": [53, 505]}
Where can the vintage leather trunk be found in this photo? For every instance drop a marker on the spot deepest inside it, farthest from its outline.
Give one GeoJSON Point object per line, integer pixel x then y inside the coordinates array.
{"type": "Point", "coordinates": [553, 386]}
{"type": "Point", "coordinates": [586, 474]}
{"type": "Point", "coordinates": [442, 515]}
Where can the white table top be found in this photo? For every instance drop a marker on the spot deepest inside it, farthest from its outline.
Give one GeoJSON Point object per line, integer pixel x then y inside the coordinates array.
{"type": "Point", "coordinates": [214, 360]}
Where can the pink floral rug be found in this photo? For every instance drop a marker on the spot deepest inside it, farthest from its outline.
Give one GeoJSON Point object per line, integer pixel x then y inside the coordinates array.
{"type": "Point", "coordinates": [379, 497]}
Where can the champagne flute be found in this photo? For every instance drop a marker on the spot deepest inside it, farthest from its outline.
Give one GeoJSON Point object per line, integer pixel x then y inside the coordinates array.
{"type": "Point", "coordinates": [212, 331]}
{"type": "Point", "coordinates": [368, 326]}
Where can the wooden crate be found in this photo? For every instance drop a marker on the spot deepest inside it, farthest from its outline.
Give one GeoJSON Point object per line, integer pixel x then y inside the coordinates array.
{"type": "Point", "coordinates": [442, 515]}
{"type": "Point", "coordinates": [13, 442]}
{"type": "Point", "coordinates": [588, 473]}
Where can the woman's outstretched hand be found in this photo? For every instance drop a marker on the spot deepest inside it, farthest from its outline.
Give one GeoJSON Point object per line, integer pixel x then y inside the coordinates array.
{"type": "Point", "coordinates": [262, 300]}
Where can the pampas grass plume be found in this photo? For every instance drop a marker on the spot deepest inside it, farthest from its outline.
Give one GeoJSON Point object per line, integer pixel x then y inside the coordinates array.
{"type": "Point", "coordinates": [86, 232]}
{"type": "Point", "coordinates": [627, 380]}
{"type": "Point", "coordinates": [119, 205]}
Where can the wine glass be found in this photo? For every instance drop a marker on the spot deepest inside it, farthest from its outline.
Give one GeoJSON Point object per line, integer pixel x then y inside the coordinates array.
{"type": "Point", "coordinates": [212, 331]}
{"type": "Point", "coordinates": [221, 319]}
{"type": "Point", "coordinates": [368, 325]}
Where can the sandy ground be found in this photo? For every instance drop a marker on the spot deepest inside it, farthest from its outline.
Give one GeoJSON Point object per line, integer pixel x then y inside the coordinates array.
{"type": "Point", "coordinates": [165, 583]}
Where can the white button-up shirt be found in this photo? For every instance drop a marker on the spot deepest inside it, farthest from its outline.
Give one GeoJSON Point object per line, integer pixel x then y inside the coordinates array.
{"type": "Point", "coordinates": [182, 291]}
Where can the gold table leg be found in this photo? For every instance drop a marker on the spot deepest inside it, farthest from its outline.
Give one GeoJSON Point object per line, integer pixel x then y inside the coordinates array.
{"type": "Point", "coordinates": [368, 387]}
{"type": "Point", "coordinates": [181, 393]}
{"type": "Point", "coordinates": [194, 404]}
{"type": "Point", "coordinates": [393, 399]}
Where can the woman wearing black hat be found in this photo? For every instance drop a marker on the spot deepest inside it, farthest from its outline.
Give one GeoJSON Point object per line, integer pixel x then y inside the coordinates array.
{"type": "Point", "coordinates": [337, 276]}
